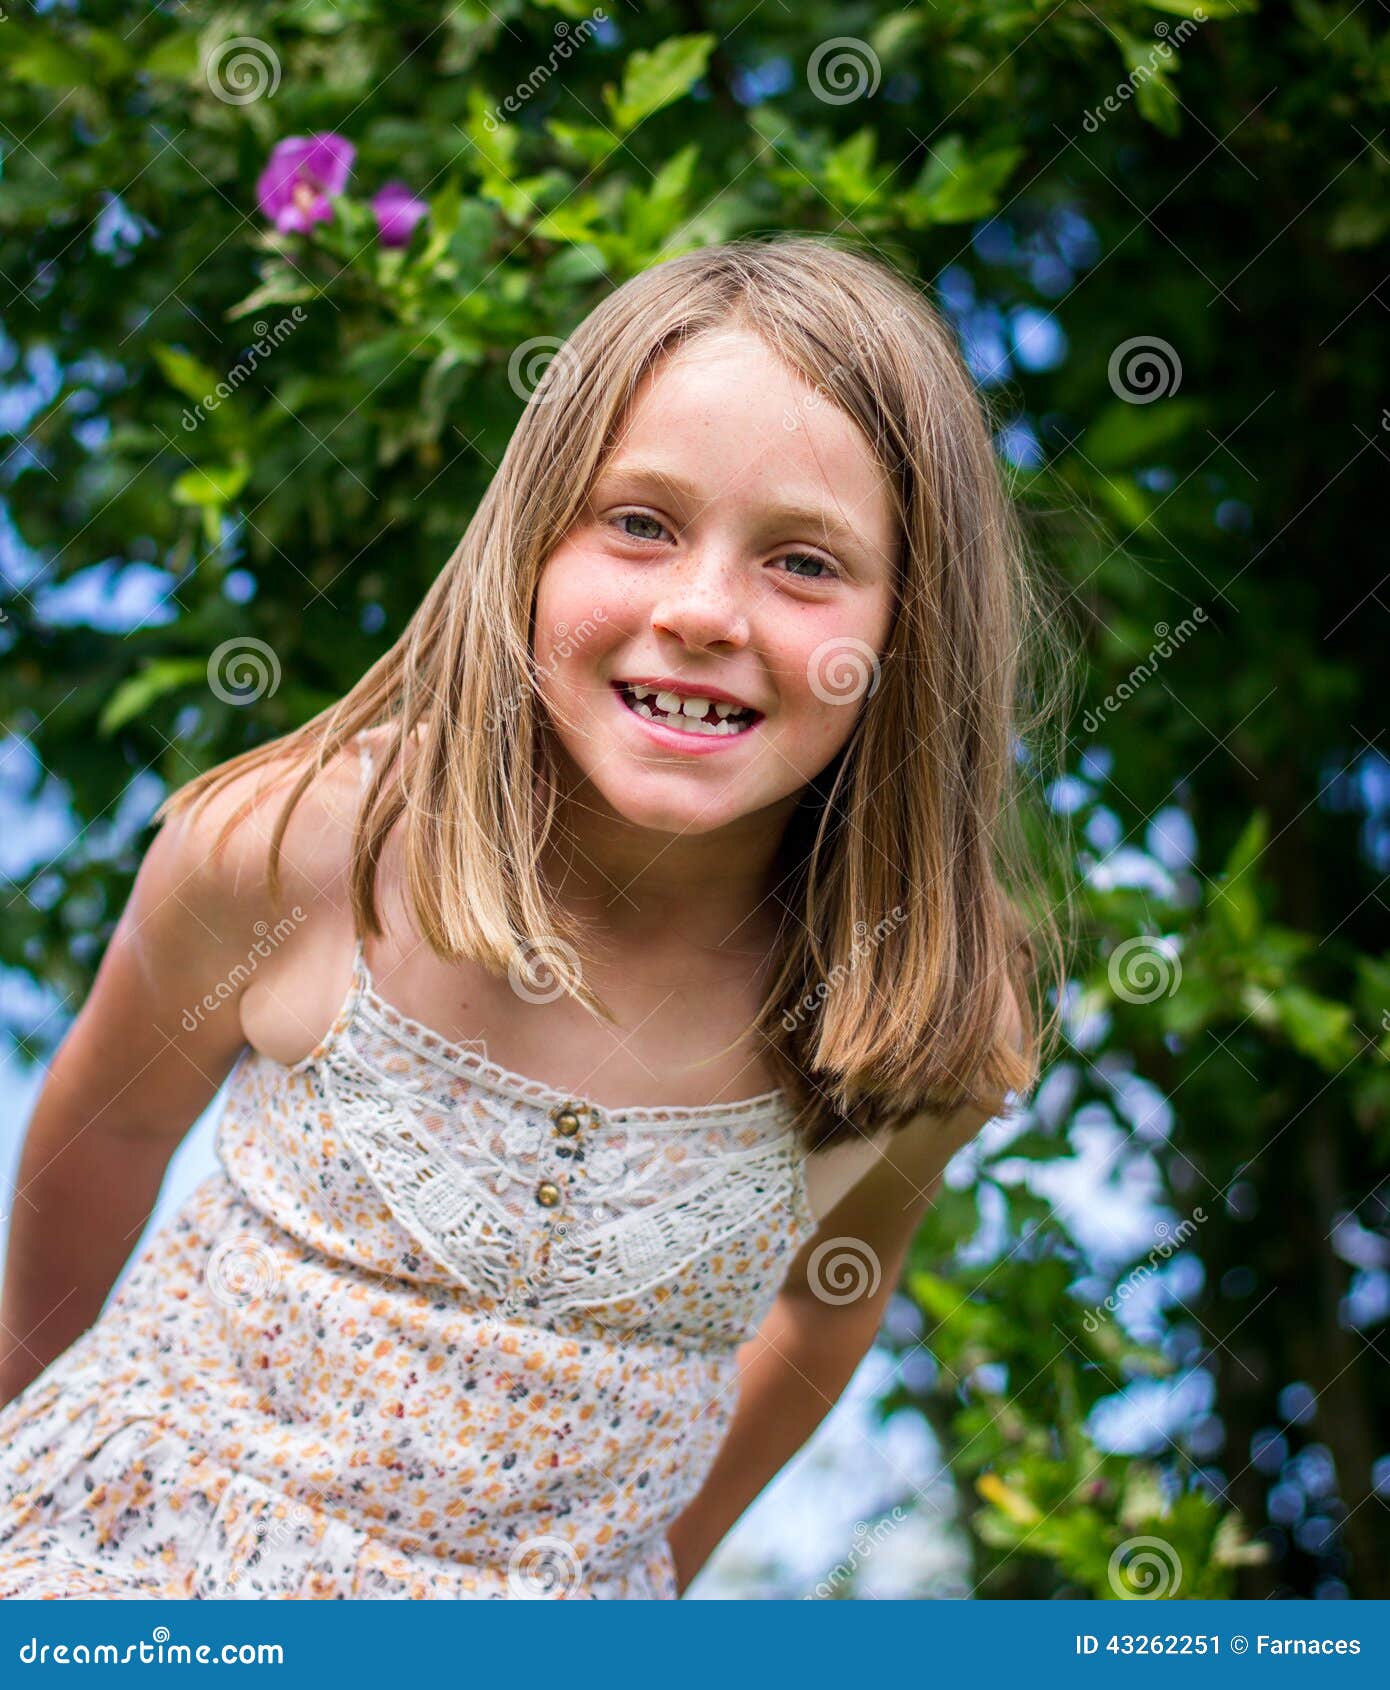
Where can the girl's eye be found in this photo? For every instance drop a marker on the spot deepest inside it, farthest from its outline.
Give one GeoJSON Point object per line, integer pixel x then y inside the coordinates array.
{"type": "Point", "coordinates": [810, 557]}
{"type": "Point", "coordinates": [638, 516]}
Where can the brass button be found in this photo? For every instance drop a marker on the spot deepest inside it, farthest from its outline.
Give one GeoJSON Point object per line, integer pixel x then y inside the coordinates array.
{"type": "Point", "coordinates": [547, 1194]}
{"type": "Point", "coordinates": [567, 1122]}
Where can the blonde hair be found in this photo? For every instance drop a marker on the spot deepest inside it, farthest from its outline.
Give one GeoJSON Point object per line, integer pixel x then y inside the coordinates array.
{"type": "Point", "coordinates": [911, 835]}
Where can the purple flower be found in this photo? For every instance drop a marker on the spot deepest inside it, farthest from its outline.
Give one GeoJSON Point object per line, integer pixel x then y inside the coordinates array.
{"type": "Point", "coordinates": [397, 212]}
{"type": "Point", "coordinates": [303, 170]}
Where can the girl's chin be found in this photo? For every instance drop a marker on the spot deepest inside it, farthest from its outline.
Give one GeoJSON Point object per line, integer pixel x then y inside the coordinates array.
{"type": "Point", "coordinates": [657, 813]}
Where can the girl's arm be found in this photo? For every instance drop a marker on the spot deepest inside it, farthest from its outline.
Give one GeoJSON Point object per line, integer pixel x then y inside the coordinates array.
{"type": "Point", "coordinates": [792, 1372]}
{"type": "Point", "coordinates": [138, 1065]}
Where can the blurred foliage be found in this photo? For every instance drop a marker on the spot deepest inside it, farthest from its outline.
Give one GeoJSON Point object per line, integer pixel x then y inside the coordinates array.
{"type": "Point", "coordinates": [217, 432]}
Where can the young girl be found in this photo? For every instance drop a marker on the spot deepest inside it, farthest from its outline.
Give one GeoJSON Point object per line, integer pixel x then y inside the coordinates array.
{"type": "Point", "coordinates": [604, 984]}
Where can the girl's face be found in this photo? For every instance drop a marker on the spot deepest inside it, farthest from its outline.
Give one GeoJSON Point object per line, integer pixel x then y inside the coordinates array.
{"type": "Point", "coordinates": [738, 548]}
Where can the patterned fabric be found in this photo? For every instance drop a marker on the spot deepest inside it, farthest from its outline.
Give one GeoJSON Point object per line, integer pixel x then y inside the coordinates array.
{"type": "Point", "coordinates": [431, 1330]}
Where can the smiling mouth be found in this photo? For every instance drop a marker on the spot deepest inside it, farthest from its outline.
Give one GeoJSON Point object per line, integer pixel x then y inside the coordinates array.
{"type": "Point", "coordinates": [699, 717]}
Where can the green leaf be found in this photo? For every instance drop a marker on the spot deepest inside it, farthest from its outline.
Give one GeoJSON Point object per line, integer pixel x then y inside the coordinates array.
{"type": "Point", "coordinates": [1149, 63]}
{"type": "Point", "coordinates": [1126, 436]}
{"type": "Point", "coordinates": [890, 36]}
{"type": "Point", "coordinates": [589, 141]}
{"type": "Point", "coordinates": [652, 215]}
{"type": "Point", "coordinates": [1358, 224]}
{"type": "Point", "coordinates": [1127, 500]}
{"type": "Point", "coordinates": [443, 220]}
{"type": "Point", "coordinates": [182, 371]}
{"type": "Point", "coordinates": [656, 78]}
{"type": "Point", "coordinates": [955, 186]}
{"type": "Point", "coordinates": [1316, 1026]}
{"type": "Point", "coordinates": [1373, 988]}
{"type": "Point", "coordinates": [576, 266]}
{"type": "Point", "coordinates": [282, 286]}
{"type": "Point", "coordinates": [442, 382]}
{"type": "Point", "coordinates": [212, 485]}
{"type": "Point", "coordinates": [1201, 10]}
{"type": "Point", "coordinates": [46, 61]}
{"type": "Point", "coordinates": [1249, 846]}
{"type": "Point", "coordinates": [175, 57]}
{"type": "Point", "coordinates": [848, 174]}
{"type": "Point", "coordinates": [135, 694]}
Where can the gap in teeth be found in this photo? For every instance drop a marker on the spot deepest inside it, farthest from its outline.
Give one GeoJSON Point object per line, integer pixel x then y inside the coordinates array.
{"type": "Point", "coordinates": [686, 715]}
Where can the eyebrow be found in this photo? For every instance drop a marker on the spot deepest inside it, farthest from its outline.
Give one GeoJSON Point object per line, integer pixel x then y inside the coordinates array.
{"type": "Point", "coordinates": [815, 517]}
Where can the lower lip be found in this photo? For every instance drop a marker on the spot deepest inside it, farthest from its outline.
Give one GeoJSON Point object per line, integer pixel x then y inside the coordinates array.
{"type": "Point", "coordinates": [697, 745]}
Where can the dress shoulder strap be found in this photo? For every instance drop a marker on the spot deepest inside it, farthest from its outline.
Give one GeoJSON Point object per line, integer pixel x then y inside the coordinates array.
{"type": "Point", "coordinates": [364, 758]}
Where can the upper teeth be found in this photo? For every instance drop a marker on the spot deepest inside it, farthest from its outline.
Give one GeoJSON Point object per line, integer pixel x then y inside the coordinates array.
{"type": "Point", "coordinates": [673, 702]}
{"type": "Point", "coordinates": [690, 712]}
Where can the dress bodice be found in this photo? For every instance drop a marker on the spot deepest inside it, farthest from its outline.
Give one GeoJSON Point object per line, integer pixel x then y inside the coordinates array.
{"type": "Point", "coordinates": [409, 1155]}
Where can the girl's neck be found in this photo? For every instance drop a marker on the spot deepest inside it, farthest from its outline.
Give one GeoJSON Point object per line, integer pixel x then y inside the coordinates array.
{"type": "Point", "coordinates": [711, 891]}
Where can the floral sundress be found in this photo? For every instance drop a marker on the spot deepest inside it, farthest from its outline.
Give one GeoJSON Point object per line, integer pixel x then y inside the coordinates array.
{"type": "Point", "coordinates": [431, 1330]}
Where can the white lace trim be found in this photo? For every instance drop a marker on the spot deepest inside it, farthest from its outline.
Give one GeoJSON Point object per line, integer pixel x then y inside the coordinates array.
{"type": "Point", "coordinates": [459, 1059]}
{"type": "Point", "coordinates": [645, 1221]}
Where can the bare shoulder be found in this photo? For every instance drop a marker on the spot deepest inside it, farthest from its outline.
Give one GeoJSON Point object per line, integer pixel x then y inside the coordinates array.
{"type": "Point", "coordinates": [218, 854]}
{"type": "Point", "coordinates": [160, 1028]}
{"type": "Point", "coordinates": [296, 947]}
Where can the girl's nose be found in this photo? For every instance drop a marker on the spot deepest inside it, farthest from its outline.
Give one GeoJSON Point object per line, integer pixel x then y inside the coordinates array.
{"type": "Point", "coordinates": [699, 607]}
